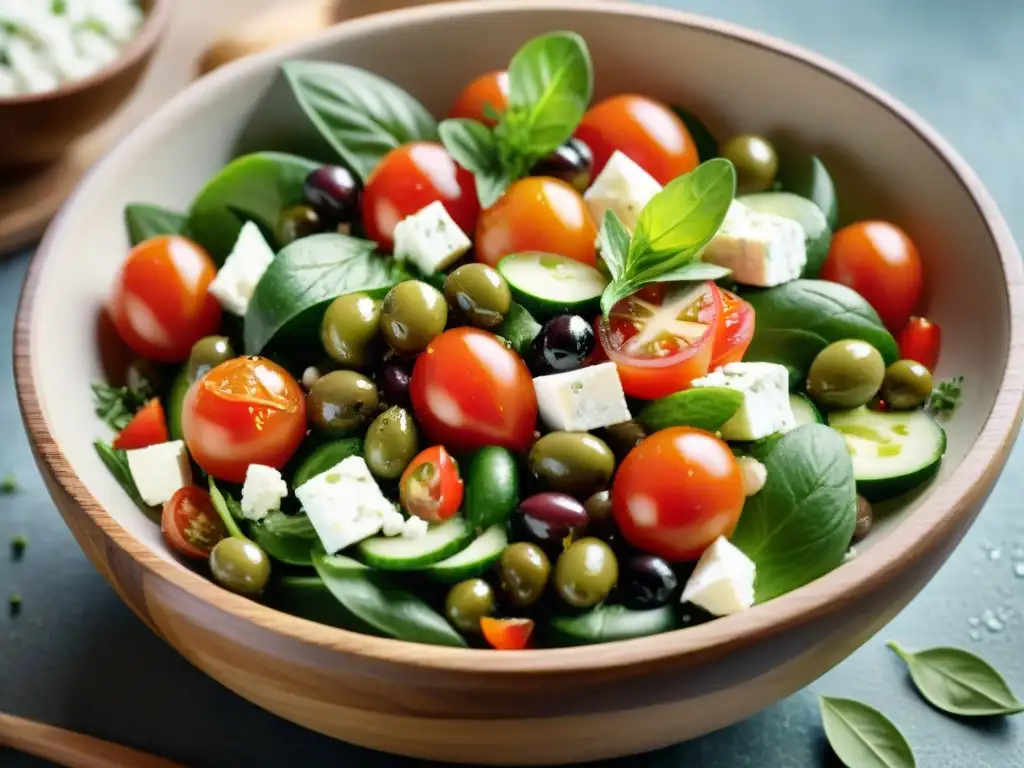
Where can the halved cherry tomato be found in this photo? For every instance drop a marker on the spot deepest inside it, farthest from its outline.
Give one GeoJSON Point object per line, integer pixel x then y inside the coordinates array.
{"type": "Point", "coordinates": [469, 391]}
{"type": "Point", "coordinates": [661, 346]}
{"type": "Point", "coordinates": [677, 492]}
{"type": "Point", "coordinates": [245, 411]}
{"type": "Point", "coordinates": [161, 304]}
{"type": "Point", "coordinates": [921, 341]}
{"type": "Point", "coordinates": [506, 634]}
{"type": "Point", "coordinates": [409, 178]}
{"type": "Point", "coordinates": [147, 427]}
{"type": "Point", "coordinates": [737, 331]}
{"type": "Point", "coordinates": [488, 90]}
{"type": "Point", "coordinates": [431, 488]}
{"type": "Point", "coordinates": [650, 133]}
{"type": "Point", "coordinates": [537, 214]}
{"type": "Point", "coordinates": [881, 263]}
{"type": "Point", "coordinates": [190, 524]}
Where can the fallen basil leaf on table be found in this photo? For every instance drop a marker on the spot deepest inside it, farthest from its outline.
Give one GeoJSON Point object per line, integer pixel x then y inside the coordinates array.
{"type": "Point", "coordinates": [862, 737]}
{"type": "Point", "coordinates": [958, 682]}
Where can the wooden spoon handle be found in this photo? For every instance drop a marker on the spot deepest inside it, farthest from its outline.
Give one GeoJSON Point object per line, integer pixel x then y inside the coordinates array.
{"type": "Point", "coordinates": [73, 750]}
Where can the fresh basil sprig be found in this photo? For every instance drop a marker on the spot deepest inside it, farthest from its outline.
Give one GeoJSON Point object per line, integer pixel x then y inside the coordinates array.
{"type": "Point", "coordinates": [862, 737]}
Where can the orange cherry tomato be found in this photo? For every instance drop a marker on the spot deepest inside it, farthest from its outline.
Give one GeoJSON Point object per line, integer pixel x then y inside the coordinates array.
{"type": "Point", "coordinates": [469, 391]}
{"type": "Point", "coordinates": [881, 263]}
{"type": "Point", "coordinates": [737, 331]}
{"type": "Point", "coordinates": [245, 411]}
{"type": "Point", "coordinates": [147, 427]}
{"type": "Point", "coordinates": [409, 178]}
{"type": "Point", "coordinates": [537, 214]}
{"type": "Point", "coordinates": [677, 492]}
{"type": "Point", "coordinates": [190, 524]}
{"type": "Point", "coordinates": [506, 634]}
{"type": "Point", "coordinates": [650, 133]}
{"type": "Point", "coordinates": [431, 488]}
{"type": "Point", "coordinates": [488, 90]}
{"type": "Point", "coordinates": [921, 341]}
{"type": "Point", "coordinates": [161, 304]}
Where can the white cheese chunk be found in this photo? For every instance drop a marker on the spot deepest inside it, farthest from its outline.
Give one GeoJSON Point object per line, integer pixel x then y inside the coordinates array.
{"type": "Point", "coordinates": [579, 401]}
{"type": "Point", "coordinates": [415, 528]}
{"type": "Point", "coordinates": [761, 249]}
{"type": "Point", "coordinates": [766, 406]}
{"type": "Point", "coordinates": [160, 470]}
{"type": "Point", "coordinates": [262, 491]}
{"type": "Point", "coordinates": [236, 281]}
{"type": "Point", "coordinates": [310, 376]}
{"type": "Point", "coordinates": [393, 523]}
{"type": "Point", "coordinates": [430, 239]}
{"type": "Point", "coordinates": [623, 187]}
{"type": "Point", "coordinates": [723, 581]}
{"type": "Point", "coordinates": [754, 475]}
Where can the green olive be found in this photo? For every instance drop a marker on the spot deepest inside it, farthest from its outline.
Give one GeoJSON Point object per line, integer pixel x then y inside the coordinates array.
{"type": "Point", "coordinates": [240, 566]}
{"type": "Point", "coordinates": [297, 222]}
{"type": "Point", "coordinates": [586, 572]}
{"type": "Point", "coordinates": [756, 162]}
{"type": "Point", "coordinates": [624, 437]}
{"type": "Point", "coordinates": [391, 443]}
{"type": "Point", "coordinates": [207, 353]}
{"type": "Point", "coordinates": [906, 385]}
{"type": "Point", "coordinates": [468, 602]}
{"type": "Point", "coordinates": [342, 402]}
{"type": "Point", "coordinates": [350, 326]}
{"type": "Point", "coordinates": [523, 571]}
{"type": "Point", "coordinates": [845, 374]}
{"type": "Point", "coordinates": [479, 294]}
{"type": "Point", "coordinates": [576, 463]}
{"type": "Point", "coordinates": [412, 315]}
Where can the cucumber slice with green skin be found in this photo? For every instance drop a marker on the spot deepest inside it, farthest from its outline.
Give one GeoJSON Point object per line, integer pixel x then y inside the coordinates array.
{"type": "Point", "coordinates": [399, 553]}
{"type": "Point", "coordinates": [608, 623]}
{"type": "Point", "coordinates": [817, 234]}
{"type": "Point", "coordinates": [175, 401]}
{"type": "Point", "coordinates": [475, 560]}
{"type": "Point", "coordinates": [892, 452]}
{"type": "Point", "coordinates": [804, 411]}
{"type": "Point", "coordinates": [548, 284]}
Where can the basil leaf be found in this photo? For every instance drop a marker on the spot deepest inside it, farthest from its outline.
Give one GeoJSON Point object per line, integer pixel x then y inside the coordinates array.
{"type": "Point", "coordinates": [117, 462]}
{"type": "Point", "coordinates": [288, 538]}
{"type": "Point", "coordinates": [361, 115]}
{"type": "Point", "coordinates": [117, 405]}
{"type": "Point", "coordinates": [472, 144]}
{"type": "Point", "coordinates": [614, 243]}
{"type": "Point", "coordinates": [518, 328]}
{"type": "Point", "coordinates": [702, 407]}
{"type": "Point", "coordinates": [703, 139]}
{"type": "Point", "coordinates": [694, 271]}
{"type": "Point", "coordinates": [491, 184]}
{"type": "Point", "coordinates": [304, 278]}
{"type": "Point", "coordinates": [800, 524]}
{"type": "Point", "coordinates": [862, 737]}
{"type": "Point", "coordinates": [145, 221]}
{"type": "Point", "coordinates": [958, 682]}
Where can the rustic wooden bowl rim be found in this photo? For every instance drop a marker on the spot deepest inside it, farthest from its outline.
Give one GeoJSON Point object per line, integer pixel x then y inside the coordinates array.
{"type": "Point", "coordinates": [904, 546]}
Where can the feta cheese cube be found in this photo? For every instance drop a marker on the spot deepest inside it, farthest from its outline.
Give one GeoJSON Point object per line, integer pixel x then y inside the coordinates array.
{"type": "Point", "coordinates": [754, 475]}
{"type": "Point", "coordinates": [430, 239]}
{"type": "Point", "coordinates": [579, 401]}
{"type": "Point", "coordinates": [723, 581]}
{"type": "Point", "coordinates": [766, 408]}
{"type": "Point", "coordinates": [393, 523]}
{"type": "Point", "coordinates": [160, 470]}
{"type": "Point", "coordinates": [236, 281]}
{"type": "Point", "coordinates": [623, 187]}
{"type": "Point", "coordinates": [415, 528]}
{"type": "Point", "coordinates": [761, 249]}
{"type": "Point", "coordinates": [344, 504]}
{"type": "Point", "coordinates": [262, 491]}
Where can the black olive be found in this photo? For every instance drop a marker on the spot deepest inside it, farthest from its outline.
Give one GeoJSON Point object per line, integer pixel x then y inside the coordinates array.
{"type": "Point", "coordinates": [649, 582]}
{"type": "Point", "coordinates": [394, 384]}
{"type": "Point", "coordinates": [333, 193]}
{"type": "Point", "coordinates": [573, 162]}
{"type": "Point", "coordinates": [563, 344]}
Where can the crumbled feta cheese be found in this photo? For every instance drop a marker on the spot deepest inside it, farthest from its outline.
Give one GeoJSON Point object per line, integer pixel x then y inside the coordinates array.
{"type": "Point", "coordinates": [766, 407]}
{"type": "Point", "coordinates": [753, 473]}
{"type": "Point", "coordinates": [415, 528]}
{"type": "Point", "coordinates": [761, 249]}
{"type": "Point", "coordinates": [236, 281]}
{"type": "Point", "coordinates": [310, 376]}
{"type": "Point", "coordinates": [623, 187]}
{"type": "Point", "coordinates": [393, 523]}
{"type": "Point", "coordinates": [160, 470]}
{"type": "Point", "coordinates": [430, 239]}
{"type": "Point", "coordinates": [262, 491]}
{"type": "Point", "coordinates": [582, 400]}
{"type": "Point", "coordinates": [723, 581]}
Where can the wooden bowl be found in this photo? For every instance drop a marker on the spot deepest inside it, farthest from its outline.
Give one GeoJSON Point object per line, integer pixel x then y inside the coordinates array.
{"type": "Point", "coordinates": [38, 128]}
{"type": "Point", "coordinates": [542, 706]}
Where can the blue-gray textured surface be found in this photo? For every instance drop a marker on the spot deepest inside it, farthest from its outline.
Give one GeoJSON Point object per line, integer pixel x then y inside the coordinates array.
{"type": "Point", "coordinates": [78, 658]}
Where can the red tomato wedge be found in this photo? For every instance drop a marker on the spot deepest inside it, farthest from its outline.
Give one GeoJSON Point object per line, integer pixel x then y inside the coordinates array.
{"type": "Point", "coordinates": [190, 524]}
{"type": "Point", "coordinates": [147, 427]}
{"type": "Point", "coordinates": [737, 331]}
{"type": "Point", "coordinates": [921, 341]}
{"type": "Point", "coordinates": [506, 634]}
{"type": "Point", "coordinates": [431, 488]}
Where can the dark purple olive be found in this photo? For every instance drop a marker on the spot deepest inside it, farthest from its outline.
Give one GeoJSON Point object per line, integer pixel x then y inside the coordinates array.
{"type": "Point", "coordinates": [549, 518]}
{"type": "Point", "coordinates": [333, 193]}
{"type": "Point", "coordinates": [297, 222]}
{"type": "Point", "coordinates": [394, 384]}
{"type": "Point", "coordinates": [562, 345]}
{"type": "Point", "coordinates": [572, 162]}
{"type": "Point", "coordinates": [649, 582]}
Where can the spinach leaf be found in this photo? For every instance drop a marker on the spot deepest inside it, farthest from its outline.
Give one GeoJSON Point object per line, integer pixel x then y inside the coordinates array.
{"type": "Point", "coordinates": [805, 175]}
{"type": "Point", "coordinates": [325, 457]}
{"type": "Point", "coordinates": [862, 737]}
{"type": "Point", "coordinates": [117, 462]}
{"type": "Point", "coordinates": [146, 221]}
{"type": "Point", "coordinates": [800, 525]}
{"type": "Point", "coordinates": [308, 598]}
{"type": "Point", "coordinates": [288, 538]}
{"type": "Point", "coordinates": [702, 407]}
{"type": "Point", "coordinates": [518, 328]}
{"type": "Point", "coordinates": [361, 115]}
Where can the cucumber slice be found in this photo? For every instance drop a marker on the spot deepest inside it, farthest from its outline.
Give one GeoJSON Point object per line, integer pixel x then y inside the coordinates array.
{"type": "Point", "coordinates": [403, 554]}
{"type": "Point", "coordinates": [608, 623]}
{"type": "Point", "coordinates": [475, 559]}
{"type": "Point", "coordinates": [892, 452]}
{"type": "Point", "coordinates": [548, 284]}
{"type": "Point", "coordinates": [175, 401]}
{"type": "Point", "coordinates": [817, 234]}
{"type": "Point", "coordinates": [804, 410]}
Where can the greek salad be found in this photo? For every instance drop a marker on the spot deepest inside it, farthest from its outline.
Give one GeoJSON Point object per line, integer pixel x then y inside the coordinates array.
{"type": "Point", "coordinates": [544, 373]}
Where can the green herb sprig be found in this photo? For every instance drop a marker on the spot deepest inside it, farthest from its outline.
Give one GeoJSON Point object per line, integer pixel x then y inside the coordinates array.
{"type": "Point", "coordinates": [116, 405]}
{"type": "Point", "coordinates": [946, 396]}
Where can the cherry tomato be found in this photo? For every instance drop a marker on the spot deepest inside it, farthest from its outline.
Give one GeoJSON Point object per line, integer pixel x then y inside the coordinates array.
{"type": "Point", "coordinates": [409, 178]}
{"type": "Point", "coordinates": [469, 391]}
{"type": "Point", "coordinates": [538, 213]}
{"type": "Point", "coordinates": [677, 492]}
{"type": "Point", "coordinates": [161, 303]}
{"type": "Point", "coordinates": [190, 524]}
{"type": "Point", "coordinates": [506, 634]}
{"type": "Point", "coordinates": [147, 427]}
{"type": "Point", "coordinates": [737, 331]}
{"type": "Point", "coordinates": [880, 262]}
{"type": "Point", "coordinates": [245, 411]}
{"type": "Point", "coordinates": [646, 130]}
{"type": "Point", "coordinates": [660, 346]}
{"type": "Point", "coordinates": [921, 341]}
{"type": "Point", "coordinates": [490, 89]}
{"type": "Point", "coordinates": [431, 488]}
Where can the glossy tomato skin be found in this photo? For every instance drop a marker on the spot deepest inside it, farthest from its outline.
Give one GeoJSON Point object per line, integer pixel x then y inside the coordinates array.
{"type": "Point", "coordinates": [409, 178]}
{"type": "Point", "coordinates": [677, 492]}
{"type": "Point", "coordinates": [470, 391]}
{"type": "Point", "coordinates": [881, 263]}
{"type": "Point", "coordinates": [161, 304]}
{"type": "Point", "coordinates": [190, 524]}
{"type": "Point", "coordinates": [506, 634]}
{"type": "Point", "coordinates": [431, 488]}
{"type": "Point", "coordinates": [736, 333]}
{"type": "Point", "coordinates": [921, 341]}
{"type": "Point", "coordinates": [537, 213]}
{"type": "Point", "coordinates": [644, 129]}
{"type": "Point", "coordinates": [490, 88]}
{"type": "Point", "coordinates": [248, 410]}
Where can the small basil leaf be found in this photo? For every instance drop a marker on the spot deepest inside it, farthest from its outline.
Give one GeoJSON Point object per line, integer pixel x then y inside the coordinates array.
{"type": "Point", "coordinates": [491, 184]}
{"type": "Point", "coordinates": [862, 737]}
{"type": "Point", "coordinates": [518, 328]}
{"type": "Point", "coordinates": [616, 291]}
{"type": "Point", "coordinates": [694, 271]}
{"type": "Point", "coordinates": [958, 682]}
{"type": "Point", "coordinates": [702, 407]}
{"type": "Point", "coordinates": [146, 221]}
{"type": "Point", "coordinates": [288, 538]}
{"type": "Point", "coordinates": [703, 139]}
{"type": "Point", "coordinates": [472, 144]}
{"type": "Point", "coordinates": [117, 462]}
{"type": "Point", "coordinates": [614, 242]}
